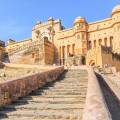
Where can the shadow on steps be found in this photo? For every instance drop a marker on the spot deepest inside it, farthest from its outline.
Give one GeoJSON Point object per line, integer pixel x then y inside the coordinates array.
{"type": "Point", "coordinates": [47, 86]}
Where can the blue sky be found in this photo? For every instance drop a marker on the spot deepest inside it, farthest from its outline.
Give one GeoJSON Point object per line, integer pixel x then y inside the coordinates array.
{"type": "Point", "coordinates": [17, 17]}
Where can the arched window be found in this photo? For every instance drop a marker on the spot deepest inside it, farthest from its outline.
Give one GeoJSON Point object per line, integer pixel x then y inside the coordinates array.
{"type": "Point", "coordinates": [46, 38]}
{"type": "Point", "coordinates": [94, 43]}
{"type": "Point", "coordinates": [73, 49]}
{"type": "Point", "coordinates": [111, 40]}
{"type": "Point", "coordinates": [118, 27]}
{"type": "Point", "coordinates": [100, 42]}
{"type": "Point", "coordinates": [105, 41]}
{"type": "Point", "coordinates": [60, 54]}
{"type": "Point", "coordinates": [63, 54]}
{"type": "Point", "coordinates": [98, 27]}
{"type": "Point", "coordinates": [33, 55]}
{"type": "Point", "coordinates": [83, 36]}
{"type": "Point", "coordinates": [89, 44]}
{"type": "Point", "coordinates": [68, 50]}
{"type": "Point", "coordinates": [78, 36]}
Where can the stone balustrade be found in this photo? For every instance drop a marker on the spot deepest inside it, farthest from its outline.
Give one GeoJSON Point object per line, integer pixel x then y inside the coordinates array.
{"type": "Point", "coordinates": [12, 90]}
{"type": "Point", "coordinates": [95, 108]}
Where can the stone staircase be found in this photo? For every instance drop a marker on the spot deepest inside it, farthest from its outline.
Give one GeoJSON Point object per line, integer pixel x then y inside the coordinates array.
{"type": "Point", "coordinates": [60, 100]}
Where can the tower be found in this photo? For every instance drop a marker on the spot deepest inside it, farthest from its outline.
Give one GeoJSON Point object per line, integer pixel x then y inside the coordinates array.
{"type": "Point", "coordinates": [80, 29]}
{"type": "Point", "coordinates": [116, 28]}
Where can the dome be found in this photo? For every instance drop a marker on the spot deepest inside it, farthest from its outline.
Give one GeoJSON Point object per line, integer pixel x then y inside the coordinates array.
{"type": "Point", "coordinates": [38, 22]}
{"type": "Point", "coordinates": [116, 9]}
{"type": "Point", "coordinates": [79, 20]}
{"type": "Point", "coordinates": [50, 19]}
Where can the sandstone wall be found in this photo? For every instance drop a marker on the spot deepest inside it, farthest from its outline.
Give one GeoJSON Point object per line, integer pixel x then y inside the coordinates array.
{"type": "Point", "coordinates": [38, 52]}
{"type": "Point", "coordinates": [94, 57]}
{"type": "Point", "coordinates": [12, 90]}
{"type": "Point", "coordinates": [103, 56]}
{"type": "Point", "coordinates": [110, 59]}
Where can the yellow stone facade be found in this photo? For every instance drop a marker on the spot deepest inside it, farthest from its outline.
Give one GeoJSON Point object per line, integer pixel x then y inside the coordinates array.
{"type": "Point", "coordinates": [78, 40]}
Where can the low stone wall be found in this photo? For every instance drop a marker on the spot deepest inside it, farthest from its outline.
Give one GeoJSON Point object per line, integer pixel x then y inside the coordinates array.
{"type": "Point", "coordinates": [26, 66]}
{"type": "Point", "coordinates": [12, 90]}
{"type": "Point", "coordinates": [95, 108]}
{"type": "Point", "coordinates": [113, 83]}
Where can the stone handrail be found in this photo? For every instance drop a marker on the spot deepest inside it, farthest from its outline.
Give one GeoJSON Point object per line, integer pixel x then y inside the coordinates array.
{"type": "Point", "coordinates": [12, 90]}
{"type": "Point", "coordinates": [95, 108]}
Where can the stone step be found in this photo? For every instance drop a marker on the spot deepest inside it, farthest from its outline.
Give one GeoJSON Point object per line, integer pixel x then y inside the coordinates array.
{"type": "Point", "coordinates": [44, 106]}
{"type": "Point", "coordinates": [60, 90]}
{"type": "Point", "coordinates": [71, 84]}
{"type": "Point", "coordinates": [69, 78]}
{"type": "Point", "coordinates": [58, 96]}
{"type": "Point", "coordinates": [55, 101]}
{"type": "Point", "coordinates": [30, 113]}
{"type": "Point", "coordinates": [40, 99]}
{"type": "Point", "coordinates": [58, 93]}
{"type": "Point", "coordinates": [60, 100]}
{"type": "Point", "coordinates": [68, 87]}
{"type": "Point", "coordinates": [36, 118]}
{"type": "Point", "coordinates": [75, 76]}
{"type": "Point", "coordinates": [45, 117]}
{"type": "Point", "coordinates": [64, 89]}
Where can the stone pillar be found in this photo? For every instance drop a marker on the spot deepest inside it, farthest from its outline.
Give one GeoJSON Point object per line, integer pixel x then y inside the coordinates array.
{"type": "Point", "coordinates": [65, 52]}
{"type": "Point", "coordinates": [71, 49]}
{"type": "Point", "coordinates": [92, 44]}
{"type": "Point", "coordinates": [61, 55]}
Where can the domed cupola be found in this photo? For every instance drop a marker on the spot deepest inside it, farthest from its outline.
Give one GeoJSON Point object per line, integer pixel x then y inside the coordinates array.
{"type": "Point", "coordinates": [79, 20]}
{"type": "Point", "coordinates": [50, 19]}
{"type": "Point", "coordinates": [116, 9]}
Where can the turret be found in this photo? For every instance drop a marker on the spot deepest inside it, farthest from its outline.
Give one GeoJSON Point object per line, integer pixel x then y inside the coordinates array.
{"type": "Point", "coordinates": [80, 23]}
{"type": "Point", "coordinates": [80, 29]}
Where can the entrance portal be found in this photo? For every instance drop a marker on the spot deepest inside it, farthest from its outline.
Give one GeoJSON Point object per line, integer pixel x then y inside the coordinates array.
{"type": "Point", "coordinates": [92, 63]}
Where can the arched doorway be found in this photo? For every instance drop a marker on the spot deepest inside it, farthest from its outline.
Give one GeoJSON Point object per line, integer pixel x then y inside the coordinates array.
{"type": "Point", "coordinates": [83, 60]}
{"type": "Point", "coordinates": [45, 38]}
{"type": "Point", "coordinates": [92, 62]}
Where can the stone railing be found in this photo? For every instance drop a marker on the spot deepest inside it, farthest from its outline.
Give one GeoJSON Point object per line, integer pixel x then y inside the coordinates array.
{"type": "Point", "coordinates": [12, 90]}
{"type": "Point", "coordinates": [95, 108]}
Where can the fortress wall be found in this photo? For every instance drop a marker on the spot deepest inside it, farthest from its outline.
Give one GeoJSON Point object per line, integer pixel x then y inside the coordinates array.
{"type": "Point", "coordinates": [106, 58]}
{"type": "Point", "coordinates": [49, 51]}
{"type": "Point", "coordinates": [12, 90]}
{"type": "Point", "coordinates": [103, 56]}
{"type": "Point", "coordinates": [110, 59]}
{"type": "Point", "coordinates": [94, 57]}
{"type": "Point", "coordinates": [36, 54]}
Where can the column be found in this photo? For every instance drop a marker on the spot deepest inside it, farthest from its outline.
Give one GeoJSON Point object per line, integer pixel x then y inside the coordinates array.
{"type": "Point", "coordinates": [60, 55]}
